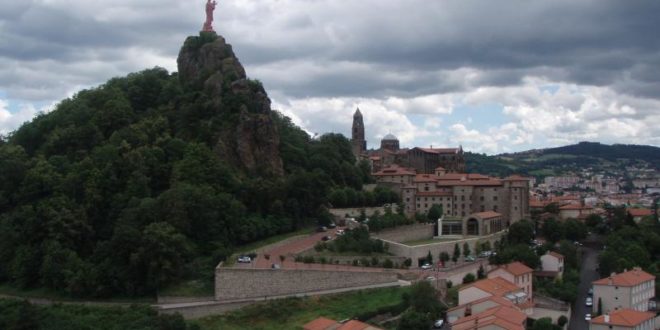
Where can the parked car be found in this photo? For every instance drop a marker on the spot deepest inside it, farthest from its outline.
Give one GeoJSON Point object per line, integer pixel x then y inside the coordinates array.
{"type": "Point", "coordinates": [321, 229]}
{"type": "Point", "coordinates": [485, 254]}
{"type": "Point", "coordinates": [426, 266]}
{"type": "Point", "coordinates": [340, 232]}
{"type": "Point", "coordinates": [470, 258]}
{"type": "Point", "coordinates": [438, 324]}
{"type": "Point", "coordinates": [244, 259]}
{"type": "Point", "coordinates": [587, 317]}
{"type": "Point", "coordinates": [589, 302]}
{"type": "Point", "coordinates": [430, 278]}
{"type": "Point", "coordinates": [590, 292]}
{"type": "Point", "coordinates": [332, 225]}
{"type": "Point", "coordinates": [326, 238]}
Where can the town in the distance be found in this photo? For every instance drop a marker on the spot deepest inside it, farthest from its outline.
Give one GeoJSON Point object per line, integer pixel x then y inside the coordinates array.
{"type": "Point", "coordinates": [182, 201]}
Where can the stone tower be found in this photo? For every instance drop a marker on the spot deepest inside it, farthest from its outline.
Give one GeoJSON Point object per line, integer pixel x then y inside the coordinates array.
{"type": "Point", "coordinates": [357, 136]}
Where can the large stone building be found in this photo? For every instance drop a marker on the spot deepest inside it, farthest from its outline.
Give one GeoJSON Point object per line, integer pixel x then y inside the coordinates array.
{"type": "Point", "coordinates": [478, 204]}
{"type": "Point", "coordinates": [423, 160]}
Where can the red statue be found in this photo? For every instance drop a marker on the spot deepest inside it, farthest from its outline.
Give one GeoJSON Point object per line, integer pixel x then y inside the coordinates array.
{"type": "Point", "coordinates": [210, 7]}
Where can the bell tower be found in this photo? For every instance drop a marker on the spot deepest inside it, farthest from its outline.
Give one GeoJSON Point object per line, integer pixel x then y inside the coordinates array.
{"type": "Point", "coordinates": [357, 135]}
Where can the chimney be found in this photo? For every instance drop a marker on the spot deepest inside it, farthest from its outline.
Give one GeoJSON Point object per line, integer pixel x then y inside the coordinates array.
{"type": "Point", "coordinates": [607, 318]}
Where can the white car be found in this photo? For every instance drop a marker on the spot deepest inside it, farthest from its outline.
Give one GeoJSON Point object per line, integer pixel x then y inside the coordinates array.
{"type": "Point", "coordinates": [438, 324]}
{"type": "Point", "coordinates": [589, 302]}
{"type": "Point", "coordinates": [426, 266]}
{"type": "Point", "coordinates": [340, 232]}
{"type": "Point", "coordinates": [587, 317]}
{"type": "Point", "coordinates": [244, 259]}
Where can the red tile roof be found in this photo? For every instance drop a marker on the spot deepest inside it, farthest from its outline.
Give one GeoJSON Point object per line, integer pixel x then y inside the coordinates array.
{"type": "Point", "coordinates": [556, 255]}
{"type": "Point", "coordinates": [394, 170]}
{"type": "Point", "coordinates": [487, 215]}
{"type": "Point", "coordinates": [425, 178]}
{"type": "Point", "coordinates": [498, 300]}
{"type": "Point", "coordinates": [575, 207]}
{"type": "Point", "coordinates": [496, 286]}
{"type": "Point", "coordinates": [625, 318]}
{"type": "Point", "coordinates": [508, 318]}
{"type": "Point", "coordinates": [440, 150]}
{"type": "Point", "coordinates": [516, 268]}
{"type": "Point", "coordinates": [320, 323]}
{"type": "Point", "coordinates": [629, 278]}
{"type": "Point", "coordinates": [640, 212]}
{"type": "Point", "coordinates": [517, 177]}
{"type": "Point", "coordinates": [356, 325]}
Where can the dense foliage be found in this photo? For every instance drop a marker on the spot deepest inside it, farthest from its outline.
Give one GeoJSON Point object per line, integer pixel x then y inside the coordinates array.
{"type": "Point", "coordinates": [121, 190]}
{"type": "Point", "coordinates": [22, 315]}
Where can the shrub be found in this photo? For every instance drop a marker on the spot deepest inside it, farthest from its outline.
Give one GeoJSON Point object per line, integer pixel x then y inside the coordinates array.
{"type": "Point", "coordinates": [388, 263]}
{"type": "Point", "coordinates": [469, 278]}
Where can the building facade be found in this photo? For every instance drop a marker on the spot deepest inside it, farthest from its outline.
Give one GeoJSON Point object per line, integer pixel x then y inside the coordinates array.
{"type": "Point", "coordinates": [628, 290]}
{"type": "Point", "coordinates": [624, 319]}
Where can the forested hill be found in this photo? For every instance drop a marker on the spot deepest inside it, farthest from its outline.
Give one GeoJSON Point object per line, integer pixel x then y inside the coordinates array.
{"type": "Point", "coordinates": [146, 179]}
{"type": "Point", "coordinates": [556, 161]}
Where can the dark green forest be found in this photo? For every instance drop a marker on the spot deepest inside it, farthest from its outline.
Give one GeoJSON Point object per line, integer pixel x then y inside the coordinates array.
{"type": "Point", "coordinates": [121, 191]}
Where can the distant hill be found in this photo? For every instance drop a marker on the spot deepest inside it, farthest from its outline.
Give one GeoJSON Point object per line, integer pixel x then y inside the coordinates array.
{"type": "Point", "coordinates": [555, 161]}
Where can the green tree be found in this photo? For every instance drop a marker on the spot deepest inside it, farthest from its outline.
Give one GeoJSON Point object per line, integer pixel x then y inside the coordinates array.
{"type": "Point", "coordinates": [457, 253]}
{"type": "Point", "coordinates": [412, 320]}
{"type": "Point", "coordinates": [553, 230]}
{"type": "Point", "coordinates": [521, 232]}
{"type": "Point", "coordinates": [466, 249]}
{"type": "Point", "coordinates": [469, 278]}
{"type": "Point", "coordinates": [435, 212]}
{"type": "Point", "coordinates": [562, 320]}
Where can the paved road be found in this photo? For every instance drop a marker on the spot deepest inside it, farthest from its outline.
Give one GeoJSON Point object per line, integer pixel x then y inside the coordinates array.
{"type": "Point", "coordinates": [588, 274]}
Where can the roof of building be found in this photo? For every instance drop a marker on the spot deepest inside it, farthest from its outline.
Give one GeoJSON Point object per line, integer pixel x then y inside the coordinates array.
{"type": "Point", "coordinates": [624, 317]}
{"type": "Point", "coordinates": [320, 323]}
{"type": "Point", "coordinates": [555, 254]}
{"type": "Point", "coordinates": [629, 278]}
{"type": "Point", "coordinates": [394, 170]}
{"type": "Point", "coordinates": [390, 137]}
{"type": "Point", "coordinates": [496, 286]}
{"type": "Point", "coordinates": [489, 182]}
{"type": "Point", "coordinates": [640, 212]}
{"type": "Point", "coordinates": [498, 300]}
{"type": "Point", "coordinates": [487, 215]}
{"type": "Point", "coordinates": [575, 207]}
{"type": "Point", "coordinates": [440, 150]}
{"type": "Point", "coordinates": [535, 203]}
{"type": "Point", "coordinates": [505, 317]}
{"type": "Point", "coordinates": [516, 268]}
{"type": "Point", "coordinates": [426, 178]}
{"type": "Point", "coordinates": [323, 323]}
{"type": "Point", "coordinates": [439, 168]}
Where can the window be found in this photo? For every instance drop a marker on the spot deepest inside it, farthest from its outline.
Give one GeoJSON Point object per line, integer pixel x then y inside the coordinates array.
{"type": "Point", "coordinates": [463, 197]}
{"type": "Point", "coordinates": [481, 198]}
{"type": "Point", "coordinates": [495, 198]}
{"type": "Point", "coordinates": [407, 199]}
{"type": "Point", "coordinates": [495, 208]}
{"type": "Point", "coordinates": [483, 208]}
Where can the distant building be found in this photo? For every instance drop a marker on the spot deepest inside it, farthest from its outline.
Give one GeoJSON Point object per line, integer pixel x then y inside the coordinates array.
{"type": "Point", "coordinates": [639, 214]}
{"type": "Point", "coordinates": [575, 211]}
{"type": "Point", "coordinates": [323, 323]}
{"type": "Point", "coordinates": [516, 273]}
{"type": "Point", "coordinates": [423, 160]}
{"type": "Point", "coordinates": [461, 195]}
{"type": "Point", "coordinates": [632, 289]}
{"type": "Point", "coordinates": [624, 319]}
{"type": "Point", "coordinates": [492, 287]}
{"type": "Point", "coordinates": [552, 265]}
{"type": "Point", "coordinates": [496, 318]}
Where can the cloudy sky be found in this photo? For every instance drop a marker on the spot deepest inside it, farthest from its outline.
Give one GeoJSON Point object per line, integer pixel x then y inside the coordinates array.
{"type": "Point", "coordinates": [493, 76]}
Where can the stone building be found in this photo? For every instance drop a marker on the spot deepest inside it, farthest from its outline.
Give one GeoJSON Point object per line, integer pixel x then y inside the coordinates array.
{"type": "Point", "coordinates": [624, 319]}
{"type": "Point", "coordinates": [461, 195]}
{"type": "Point", "coordinates": [357, 135]}
{"type": "Point", "coordinates": [423, 160]}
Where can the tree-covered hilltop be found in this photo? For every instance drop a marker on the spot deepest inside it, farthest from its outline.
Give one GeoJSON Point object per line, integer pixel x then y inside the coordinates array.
{"type": "Point", "coordinates": [133, 185]}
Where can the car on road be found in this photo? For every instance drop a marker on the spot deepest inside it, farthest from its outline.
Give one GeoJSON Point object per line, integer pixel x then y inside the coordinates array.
{"type": "Point", "coordinates": [587, 317]}
{"type": "Point", "coordinates": [486, 254]}
{"type": "Point", "coordinates": [244, 259]}
{"type": "Point", "coordinates": [340, 232]}
{"type": "Point", "coordinates": [591, 292]}
{"type": "Point", "coordinates": [321, 229]}
{"type": "Point", "coordinates": [332, 225]}
{"type": "Point", "coordinates": [326, 238]}
{"type": "Point", "coordinates": [430, 278]}
{"type": "Point", "coordinates": [426, 266]}
{"type": "Point", "coordinates": [470, 258]}
{"type": "Point", "coordinates": [438, 324]}
{"type": "Point", "coordinates": [589, 302]}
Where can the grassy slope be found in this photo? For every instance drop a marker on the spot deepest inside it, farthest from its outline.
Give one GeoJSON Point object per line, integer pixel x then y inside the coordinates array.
{"type": "Point", "coordinates": [294, 313]}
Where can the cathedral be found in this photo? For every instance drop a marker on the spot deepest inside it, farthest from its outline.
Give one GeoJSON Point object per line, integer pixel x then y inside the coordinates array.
{"type": "Point", "coordinates": [423, 160]}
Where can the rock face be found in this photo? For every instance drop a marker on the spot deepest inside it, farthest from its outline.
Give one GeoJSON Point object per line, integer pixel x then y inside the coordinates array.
{"type": "Point", "coordinates": [250, 139]}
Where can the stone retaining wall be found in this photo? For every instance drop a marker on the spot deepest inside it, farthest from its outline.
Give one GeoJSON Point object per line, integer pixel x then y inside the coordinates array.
{"type": "Point", "coordinates": [420, 251]}
{"type": "Point", "coordinates": [232, 284]}
{"type": "Point", "coordinates": [407, 233]}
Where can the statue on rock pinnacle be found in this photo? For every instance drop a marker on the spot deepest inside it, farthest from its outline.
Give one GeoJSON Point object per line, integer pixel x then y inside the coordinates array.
{"type": "Point", "coordinates": [210, 7]}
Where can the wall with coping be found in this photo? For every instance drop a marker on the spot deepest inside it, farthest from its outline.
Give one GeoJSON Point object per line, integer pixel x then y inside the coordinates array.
{"type": "Point", "coordinates": [232, 283]}
{"type": "Point", "coordinates": [420, 251]}
{"type": "Point", "coordinates": [407, 233]}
